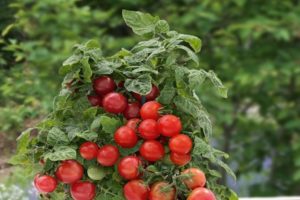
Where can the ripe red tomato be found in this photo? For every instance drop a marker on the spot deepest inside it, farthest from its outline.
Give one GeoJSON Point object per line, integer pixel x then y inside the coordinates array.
{"type": "Point", "coordinates": [201, 194]}
{"type": "Point", "coordinates": [133, 123]}
{"type": "Point", "coordinates": [95, 100]}
{"type": "Point", "coordinates": [132, 110]}
{"type": "Point", "coordinates": [88, 150]}
{"type": "Point", "coordinates": [148, 129]}
{"type": "Point", "coordinates": [150, 96]}
{"type": "Point", "coordinates": [136, 190]}
{"type": "Point", "coordinates": [169, 125]}
{"type": "Point", "coordinates": [180, 159]}
{"type": "Point", "coordinates": [69, 171]}
{"type": "Point", "coordinates": [196, 178]}
{"type": "Point", "coordinates": [150, 110]}
{"type": "Point", "coordinates": [103, 85]}
{"type": "Point", "coordinates": [128, 167]}
{"type": "Point", "coordinates": [125, 137]}
{"type": "Point", "coordinates": [181, 144]}
{"type": "Point", "coordinates": [45, 183]}
{"type": "Point", "coordinates": [152, 150]}
{"type": "Point", "coordinates": [162, 191]}
{"type": "Point", "coordinates": [114, 102]}
{"type": "Point", "coordinates": [108, 155]}
{"type": "Point", "coordinates": [83, 190]}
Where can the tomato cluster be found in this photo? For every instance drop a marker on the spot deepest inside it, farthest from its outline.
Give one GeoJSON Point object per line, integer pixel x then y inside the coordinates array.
{"type": "Point", "coordinates": [157, 132]}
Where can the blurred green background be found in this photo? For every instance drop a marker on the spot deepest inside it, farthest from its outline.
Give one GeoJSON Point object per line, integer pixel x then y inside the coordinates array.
{"type": "Point", "coordinates": [253, 46]}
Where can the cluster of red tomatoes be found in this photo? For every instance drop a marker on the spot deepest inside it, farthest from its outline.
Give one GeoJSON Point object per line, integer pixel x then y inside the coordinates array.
{"type": "Point", "coordinates": [144, 123]}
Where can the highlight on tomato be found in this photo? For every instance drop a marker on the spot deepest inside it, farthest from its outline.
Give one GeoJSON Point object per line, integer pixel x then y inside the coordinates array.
{"type": "Point", "coordinates": [45, 183]}
{"type": "Point", "coordinates": [88, 150]}
{"type": "Point", "coordinates": [69, 171]}
{"type": "Point", "coordinates": [150, 110]}
{"type": "Point", "coordinates": [128, 167]}
{"type": "Point", "coordinates": [125, 137]}
{"type": "Point", "coordinates": [108, 155]}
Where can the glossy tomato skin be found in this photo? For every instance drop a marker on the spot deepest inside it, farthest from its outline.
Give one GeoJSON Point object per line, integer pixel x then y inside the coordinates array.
{"type": "Point", "coordinates": [152, 150]}
{"type": "Point", "coordinates": [148, 129]}
{"type": "Point", "coordinates": [201, 194]}
{"type": "Point", "coordinates": [45, 183]}
{"type": "Point", "coordinates": [156, 192]}
{"type": "Point", "coordinates": [88, 150]}
{"type": "Point", "coordinates": [132, 110]}
{"type": "Point", "coordinates": [114, 103]}
{"type": "Point", "coordinates": [128, 167]}
{"type": "Point", "coordinates": [150, 96]}
{"type": "Point", "coordinates": [125, 137]}
{"type": "Point", "coordinates": [133, 123]}
{"type": "Point", "coordinates": [150, 110]}
{"type": "Point", "coordinates": [95, 100]}
{"type": "Point", "coordinates": [169, 125]}
{"type": "Point", "coordinates": [197, 178]}
{"type": "Point", "coordinates": [69, 171]}
{"type": "Point", "coordinates": [180, 159]}
{"type": "Point", "coordinates": [181, 144]}
{"type": "Point", "coordinates": [108, 155]}
{"type": "Point", "coordinates": [103, 85]}
{"type": "Point", "coordinates": [83, 190]}
{"type": "Point", "coordinates": [136, 190]}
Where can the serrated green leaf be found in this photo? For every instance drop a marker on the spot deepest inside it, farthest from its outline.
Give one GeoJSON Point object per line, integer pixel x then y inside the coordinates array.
{"type": "Point", "coordinates": [162, 26]}
{"type": "Point", "coordinates": [167, 93]}
{"type": "Point", "coordinates": [193, 41]}
{"type": "Point", "coordinates": [86, 69]}
{"type": "Point", "coordinates": [87, 135]}
{"type": "Point", "coordinates": [222, 90]}
{"type": "Point", "coordinates": [56, 136]}
{"type": "Point", "coordinates": [196, 77]}
{"type": "Point", "coordinates": [23, 140]}
{"type": "Point", "coordinates": [61, 153]}
{"type": "Point", "coordinates": [74, 59]}
{"type": "Point", "coordinates": [141, 85]}
{"type": "Point", "coordinates": [106, 67]}
{"type": "Point", "coordinates": [109, 124]}
{"type": "Point", "coordinates": [190, 53]}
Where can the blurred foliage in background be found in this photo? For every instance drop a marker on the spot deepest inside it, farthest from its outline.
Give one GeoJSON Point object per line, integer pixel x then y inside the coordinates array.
{"type": "Point", "coordinates": [253, 45]}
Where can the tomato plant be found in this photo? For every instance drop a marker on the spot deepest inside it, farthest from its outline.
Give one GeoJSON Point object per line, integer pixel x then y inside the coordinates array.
{"type": "Point", "coordinates": [83, 190]}
{"type": "Point", "coordinates": [148, 129]}
{"type": "Point", "coordinates": [45, 183]}
{"type": "Point", "coordinates": [108, 155]}
{"type": "Point", "coordinates": [69, 171]}
{"type": "Point", "coordinates": [103, 85]}
{"type": "Point", "coordinates": [181, 144]}
{"type": "Point", "coordinates": [114, 102]}
{"type": "Point", "coordinates": [128, 167]}
{"type": "Point", "coordinates": [126, 137]}
{"type": "Point", "coordinates": [150, 110]}
{"type": "Point", "coordinates": [136, 190]}
{"type": "Point", "coordinates": [88, 150]}
{"type": "Point", "coordinates": [152, 150]}
{"type": "Point", "coordinates": [169, 125]}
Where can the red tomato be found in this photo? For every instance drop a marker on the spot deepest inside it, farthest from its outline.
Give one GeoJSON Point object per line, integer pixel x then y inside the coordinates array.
{"type": "Point", "coordinates": [136, 190]}
{"type": "Point", "coordinates": [133, 123]}
{"type": "Point", "coordinates": [103, 85]}
{"type": "Point", "coordinates": [125, 137]}
{"type": "Point", "coordinates": [196, 178]}
{"type": "Point", "coordinates": [114, 102]}
{"type": "Point", "coordinates": [45, 183]}
{"type": "Point", "coordinates": [201, 194]}
{"type": "Point", "coordinates": [95, 100]}
{"type": "Point", "coordinates": [180, 159]}
{"type": "Point", "coordinates": [88, 150]}
{"type": "Point", "coordinates": [69, 171]}
{"type": "Point", "coordinates": [150, 96]}
{"type": "Point", "coordinates": [169, 125]}
{"type": "Point", "coordinates": [181, 144]}
{"type": "Point", "coordinates": [83, 190]}
{"type": "Point", "coordinates": [128, 167]}
{"type": "Point", "coordinates": [132, 110]}
{"type": "Point", "coordinates": [162, 191]}
{"type": "Point", "coordinates": [152, 150]}
{"type": "Point", "coordinates": [148, 129]}
{"type": "Point", "coordinates": [108, 155]}
{"type": "Point", "coordinates": [150, 110]}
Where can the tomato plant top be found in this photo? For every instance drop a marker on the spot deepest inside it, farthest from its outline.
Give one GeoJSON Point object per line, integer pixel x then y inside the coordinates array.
{"type": "Point", "coordinates": [166, 59]}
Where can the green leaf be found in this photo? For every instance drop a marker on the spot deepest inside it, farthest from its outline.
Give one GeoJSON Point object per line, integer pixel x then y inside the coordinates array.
{"type": "Point", "coordinates": [106, 67]}
{"type": "Point", "coordinates": [56, 136]}
{"type": "Point", "coordinates": [61, 153]}
{"type": "Point", "coordinates": [23, 140]}
{"type": "Point", "coordinates": [162, 26]}
{"type": "Point", "coordinates": [141, 85]}
{"type": "Point", "coordinates": [196, 77]}
{"type": "Point", "coordinates": [7, 29]}
{"type": "Point", "coordinates": [190, 53]}
{"type": "Point", "coordinates": [130, 151]}
{"type": "Point", "coordinates": [72, 60]}
{"type": "Point", "coordinates": [109, 124]}
{"type": "Point", "coordinates": [140, 23]}
{"type": "Point", "coordinates": [86, 69]}
{"type": "Point", "coordinates": [87, 135]}
{"type": "Point", "coordinates": [167, 93]}
{"type": "Point", "coordinates": [222, 90]}
{"type": "Point", "coordinates": [193, 41]}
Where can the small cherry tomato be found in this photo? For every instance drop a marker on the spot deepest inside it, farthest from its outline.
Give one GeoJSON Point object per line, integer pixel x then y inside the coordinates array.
{"type": "Point", "coordinates": [152, 150]}
{"type": "Point", "coordinates": [181, 144]}
{"type": "Point", "coordinates": [45, 183]}
{"type": "Point", "coordinates": [133, 123]}
{"type": "Point", "coordinates": [95, 100]}
{"type": "Point", "coordinates": [162, 191]}
{"type": "Point", "coordinates": [103, 85]}
{"type": "Point", "coordinates": [88, 150]}
{"type": "Point", "coordinates": [136, 190]}
{"type": "Point", "coordinates": [83, 190]}
{"type": "Point", "coordinates": [114, 103]}
{"type": "Point", "coordinates": [201, 194]}
{"type": "Point", "coordinates": [169, 125]}
{"type": "Point", "coordinates": [125, 137]}
{"type": "Point", "coordinates": [128, 167]}
{"type": "Point", "coordinates": [69, 171]}
{"type": "Point", "coordinates": [132, 110]}
{"type": "Point", "coordinates": [108, 155]}
{"type": "Point", "coordinates": [148, 129]}
{"type": "Point", "coordinates": [180, 159]}
{"type": "Point", "coordinates": [196, 178]}
{"type": "Point", "coordinates": [150, 110]}
{"type": "Point", "coordinates": [150, 96]}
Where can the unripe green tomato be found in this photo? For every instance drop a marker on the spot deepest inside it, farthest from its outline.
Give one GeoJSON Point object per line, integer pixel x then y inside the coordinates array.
{"type": "Point", "coordinates": [96, 173]}
{"type": "Point", "coordinates": [152, 168]}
